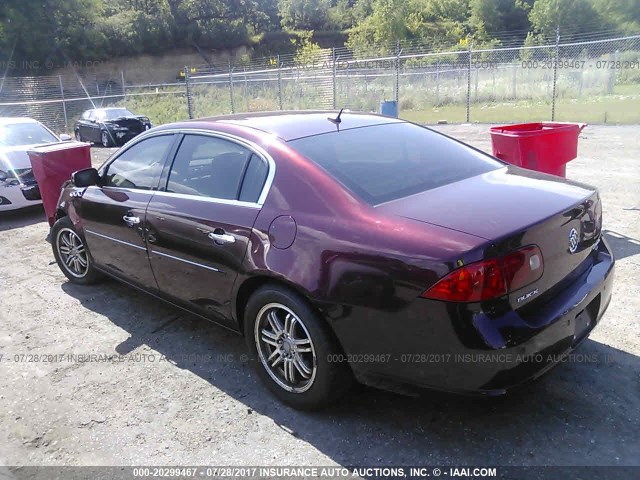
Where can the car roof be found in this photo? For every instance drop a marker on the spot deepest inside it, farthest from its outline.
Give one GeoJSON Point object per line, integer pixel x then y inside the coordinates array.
{"type": "Point", "coordinates": [14, 120]}
{"type": "Point", "coordinates": [291, 125]}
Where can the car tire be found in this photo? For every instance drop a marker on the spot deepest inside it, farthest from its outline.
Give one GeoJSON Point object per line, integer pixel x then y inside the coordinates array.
{"type": "Point", "coordinates": [79, 136]}
{"type": "Point", "coordinates": [309, 370]}
{"type": "Point", "coordinates": [71, 253]}
{"type": "Point", "coordinates": [105, 140]}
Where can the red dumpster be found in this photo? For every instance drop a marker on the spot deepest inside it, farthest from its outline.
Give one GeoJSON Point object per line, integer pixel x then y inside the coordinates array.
{"type": "Point", "coordinates": [544, 146]}
{"type": "Point", "coordinates": [53, 165]}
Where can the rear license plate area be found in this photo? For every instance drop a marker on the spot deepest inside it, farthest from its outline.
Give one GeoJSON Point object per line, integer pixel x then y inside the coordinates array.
{"type": "Point", "coordinates": [585, 320]}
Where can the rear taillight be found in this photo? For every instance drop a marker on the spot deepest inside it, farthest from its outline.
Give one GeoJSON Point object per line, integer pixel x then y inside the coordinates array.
{"type": "Point", "coordinates": [489, 279]}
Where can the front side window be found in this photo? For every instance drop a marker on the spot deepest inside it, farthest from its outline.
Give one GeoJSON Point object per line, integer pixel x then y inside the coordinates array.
{"type": "Point", "coordinates": [139, 166]}
{"type": "Point", "coordinates": [386, 162]}
{"type": "Point", "coordinates": [209, 167]}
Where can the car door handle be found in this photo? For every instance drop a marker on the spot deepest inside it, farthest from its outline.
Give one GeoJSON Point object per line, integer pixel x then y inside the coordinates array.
{"type": "Point", "coordinates": [222, 237]}
{"type": "Point", "coordinates": [131, 221]}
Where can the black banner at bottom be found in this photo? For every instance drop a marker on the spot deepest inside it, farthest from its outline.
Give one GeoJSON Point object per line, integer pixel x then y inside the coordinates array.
{"type": "Point", "coordinates": [314, 472]}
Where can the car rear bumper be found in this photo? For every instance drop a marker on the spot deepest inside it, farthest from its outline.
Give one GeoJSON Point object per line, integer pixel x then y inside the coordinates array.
{"type": "Point", "coordinates": [477, 349]}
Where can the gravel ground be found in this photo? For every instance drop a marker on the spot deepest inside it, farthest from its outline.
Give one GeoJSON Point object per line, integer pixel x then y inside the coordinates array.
{"type": "Point", "coordinates": [184, 393]}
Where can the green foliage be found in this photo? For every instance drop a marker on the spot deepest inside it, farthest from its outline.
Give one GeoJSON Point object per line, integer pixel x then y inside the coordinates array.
{"type": "Point", "coordinates": [431, 21]}
{"type": "Point", "coordinates": [54, 31]}
{"type": "Point", "coordinates": [307, 52]}
{"type": "Point", "coordinates": [490, 17]}
{"type": "Point", "coordinates": [342, 15]}
{"type": "Point", "coordinates": [75, 30]}
{"type": "Point", "coordinates": [574, 16]}
{"type": "Point", "coordinates": [625, 14]}
{"type": "Point", "coordinates": [304, 14]}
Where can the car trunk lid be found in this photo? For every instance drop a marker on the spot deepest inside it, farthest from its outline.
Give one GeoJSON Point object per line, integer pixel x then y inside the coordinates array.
{"type": "Point", "coordinates": [511, 208]}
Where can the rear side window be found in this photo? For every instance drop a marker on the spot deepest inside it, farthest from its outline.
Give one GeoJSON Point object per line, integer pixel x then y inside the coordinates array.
{"type": "Point", "coordinates": [209, 167]}
{"type": "Point", "coordinates": [386, 162]}
{"type": "Point", "coordinates": [254, 179]}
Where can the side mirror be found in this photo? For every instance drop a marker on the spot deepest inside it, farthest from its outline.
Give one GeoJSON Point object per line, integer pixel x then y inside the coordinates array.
{"type": "Point", "coordinates": [86, 177]}
{"type": "Point", "coordinates": [65, 138]}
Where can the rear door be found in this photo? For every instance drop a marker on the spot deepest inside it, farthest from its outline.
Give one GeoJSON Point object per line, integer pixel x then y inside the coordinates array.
{"type": "Point", "coordinates": [113, 214]}
{"type": "Point", "coordinates": [200, 223]}
{"type": "Point", "coordinates": [84, 125]}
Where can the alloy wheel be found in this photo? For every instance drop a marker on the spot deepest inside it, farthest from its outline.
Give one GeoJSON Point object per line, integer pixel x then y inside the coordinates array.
{"type": "Point", "coordinates": [285, 348]}
{"type": "Point", "coordinates": [72, 252]}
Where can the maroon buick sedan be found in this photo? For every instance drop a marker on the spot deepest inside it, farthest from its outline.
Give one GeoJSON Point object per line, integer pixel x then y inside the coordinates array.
{"type": "Point", "coordinates": [347, 247]}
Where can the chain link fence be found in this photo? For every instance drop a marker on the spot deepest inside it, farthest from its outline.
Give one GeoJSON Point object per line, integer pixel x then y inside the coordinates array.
{"type": "Point", "coordinates": [594, 81]}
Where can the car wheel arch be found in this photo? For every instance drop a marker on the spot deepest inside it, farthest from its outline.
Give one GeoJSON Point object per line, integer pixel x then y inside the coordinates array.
{"type": "Point", "coordinates": [252, 284]}
{"type": "Point", "coordinates": [60, 213]}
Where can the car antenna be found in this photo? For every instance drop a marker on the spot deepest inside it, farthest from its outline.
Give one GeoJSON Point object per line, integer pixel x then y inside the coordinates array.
{"type": "Point", "coordinates": [336, 120]}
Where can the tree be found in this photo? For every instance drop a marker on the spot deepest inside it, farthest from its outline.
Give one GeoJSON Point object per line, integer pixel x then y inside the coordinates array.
{"type": "Point", "coordinates": [624, 14]}
{"type": "Point", "coordinates": [430, 21]}
{"type": "Point", "coordinates": [342, 15]}
{"type": "Point", "coordinates": [492, 17]}
{"type": "Point", "coordinates": [50, 31]}
{"type": "Point", "coordinates": [304, 14]}
{"type": "Point", "coordinates": [572, 16]}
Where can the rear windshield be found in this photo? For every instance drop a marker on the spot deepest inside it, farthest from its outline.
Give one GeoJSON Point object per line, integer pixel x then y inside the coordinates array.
{"type": "Point", "coordinates": [386, 162]}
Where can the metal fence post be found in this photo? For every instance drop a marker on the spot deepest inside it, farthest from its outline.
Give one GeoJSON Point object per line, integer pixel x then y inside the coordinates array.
{"type": "Point", "coordinates": [124, 88]}
{"type": "Point", "coordinates": [187, 83]}
{"type": "Point", "coordinates": [231, 88]}
{"type": "Point", "coordinates": [397, 65]}
{"type": "Point", "coordinates": [438, 83]}
{"type": "Point", "coordinates": [555, 75]}
{"type": "Point", "coordinates": [348, 85]}
{"type": "Point", "coordinates": [335, 93]}
{"type": "Point", "coordinates": [246, 89]}
{"type": "Point", "coordinates": [279, 84]}
{"type": "Point", "coordinates": [64, 104]}
{"type": "Point", "coordinates": [469, 82]}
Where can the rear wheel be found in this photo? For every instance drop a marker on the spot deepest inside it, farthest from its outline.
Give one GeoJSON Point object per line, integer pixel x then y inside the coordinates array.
{"type": "Point", "coordinates": [293, 350]}
{"type": "Point", "coordinates": [71, 253]}
{"type": "Point", "coordinates": [105, 139]}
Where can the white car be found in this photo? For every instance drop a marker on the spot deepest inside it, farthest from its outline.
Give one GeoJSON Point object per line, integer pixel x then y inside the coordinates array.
{"type": "Point", "coordinates": [18, 186]}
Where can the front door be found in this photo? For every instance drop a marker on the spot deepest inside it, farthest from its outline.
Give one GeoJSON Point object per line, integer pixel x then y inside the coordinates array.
{"type": "Point", "coordinates": [199, 226]}
{"type": "Point", "coordinates": [113, 214]}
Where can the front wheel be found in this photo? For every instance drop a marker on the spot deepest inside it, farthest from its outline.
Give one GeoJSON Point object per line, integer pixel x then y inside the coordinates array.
{"type": "Point", "coordinates": [293, 350]}
{"type": "Point", "coordinates": [79, 136]}
{"type": "Point", "coordinates": [71, 253]}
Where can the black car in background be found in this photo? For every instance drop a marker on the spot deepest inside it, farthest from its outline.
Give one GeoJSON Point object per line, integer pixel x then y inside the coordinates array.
{"type": "Point", "coordinates": [110, 126]}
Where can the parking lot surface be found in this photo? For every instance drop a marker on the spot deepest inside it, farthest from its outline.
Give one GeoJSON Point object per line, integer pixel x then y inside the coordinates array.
{"type": "Point", "coordinates": [104, 375]}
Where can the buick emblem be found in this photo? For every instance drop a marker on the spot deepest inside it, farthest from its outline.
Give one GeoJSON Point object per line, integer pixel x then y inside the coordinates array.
{"type": "Point", "coordinates": [573, 240]}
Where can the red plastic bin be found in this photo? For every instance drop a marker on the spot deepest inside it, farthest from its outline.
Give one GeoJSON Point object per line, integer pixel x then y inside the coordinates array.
{"type": "Point", "coordinates": [53, 165]}
{"type": "Point", "coordinates": [544, 146]}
